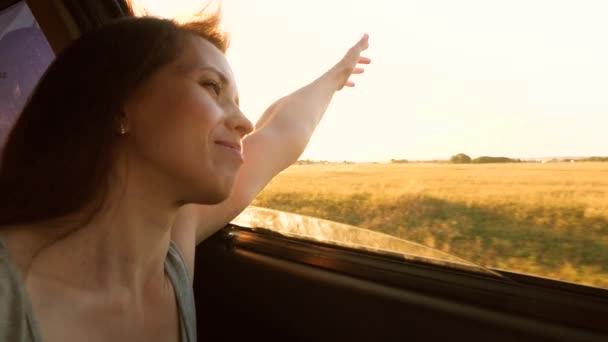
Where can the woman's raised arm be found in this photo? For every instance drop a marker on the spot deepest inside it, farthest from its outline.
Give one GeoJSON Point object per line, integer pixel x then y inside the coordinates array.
{"type": "Point", "coordinates": [280, 137]}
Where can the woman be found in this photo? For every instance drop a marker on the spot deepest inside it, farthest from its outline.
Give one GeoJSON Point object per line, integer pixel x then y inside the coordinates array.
{"type": "Point", "coordinates": [131, 150]}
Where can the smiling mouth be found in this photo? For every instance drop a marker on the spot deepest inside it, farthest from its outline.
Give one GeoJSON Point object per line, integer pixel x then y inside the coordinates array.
{"type": "Point", "coordinates": [234, 148]}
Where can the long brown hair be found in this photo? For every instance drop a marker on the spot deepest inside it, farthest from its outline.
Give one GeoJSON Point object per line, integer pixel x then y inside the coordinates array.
{"type": "Point", "coordinates": [58, 155]}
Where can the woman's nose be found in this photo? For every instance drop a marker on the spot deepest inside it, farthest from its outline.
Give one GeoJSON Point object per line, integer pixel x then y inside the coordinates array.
{"type": "Point", "coordinates": [240, 123]}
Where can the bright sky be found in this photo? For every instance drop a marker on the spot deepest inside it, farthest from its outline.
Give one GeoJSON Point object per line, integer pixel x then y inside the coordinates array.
{"type": "Point", "coordinates": [517, 78]}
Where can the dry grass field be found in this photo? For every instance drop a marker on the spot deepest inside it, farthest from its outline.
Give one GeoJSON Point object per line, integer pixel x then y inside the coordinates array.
{"type": "Point", "coordinates": [545, 219]}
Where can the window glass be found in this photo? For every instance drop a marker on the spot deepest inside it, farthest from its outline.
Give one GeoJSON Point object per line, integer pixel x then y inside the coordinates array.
{"type": "Point", "coordinates": [24, 56]}
{"type": "Point", "coordinates": [478, 129]}
{"type": "Point", "coordinates": [335, 233]}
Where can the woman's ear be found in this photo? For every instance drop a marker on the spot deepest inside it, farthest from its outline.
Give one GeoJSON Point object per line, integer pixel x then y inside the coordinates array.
{"type": "Point", "coordinates": [121, 126]}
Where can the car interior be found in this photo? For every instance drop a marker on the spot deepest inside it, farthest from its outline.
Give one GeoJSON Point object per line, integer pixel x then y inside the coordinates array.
{"type": "Point", "coordinates": [254, 282]}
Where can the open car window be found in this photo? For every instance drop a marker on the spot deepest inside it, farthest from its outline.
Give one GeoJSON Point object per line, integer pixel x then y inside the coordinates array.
{"type": "Point", "coordinates": [478, 130]}
{"type": "Point", "coordinates": [314, 229]}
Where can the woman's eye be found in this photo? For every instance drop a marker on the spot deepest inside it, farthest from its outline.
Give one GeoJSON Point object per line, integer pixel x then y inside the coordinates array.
{"type": "Point", "coordinates": [213, 85]}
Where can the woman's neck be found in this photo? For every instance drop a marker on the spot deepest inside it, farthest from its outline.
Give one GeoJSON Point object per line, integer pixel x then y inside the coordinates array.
{"type": "Point", "coordinates": [123, 245]}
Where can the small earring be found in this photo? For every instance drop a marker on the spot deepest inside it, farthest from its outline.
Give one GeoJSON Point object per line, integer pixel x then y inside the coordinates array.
{"type": "Point", "coordinates": [123, 130]}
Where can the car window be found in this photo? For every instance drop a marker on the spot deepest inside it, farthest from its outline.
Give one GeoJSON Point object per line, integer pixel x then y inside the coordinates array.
{"type": "Point", "coordinates": [334, 233]}
{"type": "Point", "coordinates": [478, 130]}
{"type": "Point", "coordinates": [25, 55]}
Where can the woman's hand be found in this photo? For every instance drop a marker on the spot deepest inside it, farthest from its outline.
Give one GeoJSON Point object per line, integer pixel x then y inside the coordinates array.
{"type": "Point", "coordinates": [348, 65]}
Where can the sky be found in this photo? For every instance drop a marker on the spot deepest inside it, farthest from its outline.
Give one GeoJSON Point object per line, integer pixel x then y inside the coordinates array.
{"type": "Point", "coordinates": [517, 78]}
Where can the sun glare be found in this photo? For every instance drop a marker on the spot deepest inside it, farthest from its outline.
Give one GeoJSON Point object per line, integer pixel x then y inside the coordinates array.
{"type": "Point", "coordinates": [521, 79]}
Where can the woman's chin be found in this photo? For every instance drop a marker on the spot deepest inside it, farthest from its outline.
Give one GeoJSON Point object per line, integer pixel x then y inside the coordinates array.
{"type": "Point", "coordinates": [215, 195]}
{"type": "Point", "coordinates": [218, 198]}
{"type": "Point", "coordinates": [209, 190]}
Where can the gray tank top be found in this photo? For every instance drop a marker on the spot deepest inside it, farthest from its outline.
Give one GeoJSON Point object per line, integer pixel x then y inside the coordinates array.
{"type": "Point", "coordinates": [17, 322]}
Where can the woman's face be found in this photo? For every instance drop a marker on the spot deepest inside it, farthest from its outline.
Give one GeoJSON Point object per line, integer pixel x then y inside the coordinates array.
{"type": "Point", "coordinates": [184, 127]}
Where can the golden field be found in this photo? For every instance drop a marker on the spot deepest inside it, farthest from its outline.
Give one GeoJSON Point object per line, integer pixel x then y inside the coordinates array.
{"type": "Point", "coordinates": [545, 219]}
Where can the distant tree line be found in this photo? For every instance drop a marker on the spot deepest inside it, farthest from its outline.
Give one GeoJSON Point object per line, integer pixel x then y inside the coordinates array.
{"type": "Point", "coordinates": [309, 162]}
{"type": "Point", "coordinates": [487, 160]}
{"type": "Point", "coordinates": [594, 159]}
{"type": "Point", "coordinates": [323, 162]}
{"type": "Point", "coordinates": [462, 158]}
{"type": "Point", "coordinates": [399, 161]}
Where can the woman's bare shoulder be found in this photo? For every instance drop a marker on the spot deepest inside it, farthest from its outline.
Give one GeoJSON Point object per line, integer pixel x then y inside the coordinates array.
{"type": "Point", "coordinates": [18, 243]}
{"type": "Point", "coordinates": [13, 306]}
{"type": "Point", "coordinates": [22, 241]}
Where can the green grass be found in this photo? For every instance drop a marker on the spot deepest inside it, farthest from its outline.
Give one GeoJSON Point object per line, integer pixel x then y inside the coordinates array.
{"type": "Point", "coordinates": [546, 219]}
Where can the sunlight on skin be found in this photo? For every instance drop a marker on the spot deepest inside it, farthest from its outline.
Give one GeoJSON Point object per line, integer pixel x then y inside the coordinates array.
{"type": "Point", "coordinates": [519, 78]}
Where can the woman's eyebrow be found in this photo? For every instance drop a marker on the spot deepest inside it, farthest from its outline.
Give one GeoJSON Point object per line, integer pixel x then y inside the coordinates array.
{"type": "Point", "coordinates": [221, 75]}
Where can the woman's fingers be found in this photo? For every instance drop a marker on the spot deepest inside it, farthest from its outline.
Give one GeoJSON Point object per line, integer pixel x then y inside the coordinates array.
{"type": "Point", "coordinates": [350, 83]}
{"type": "Point", "coordinates": [348, 65]}
{"type": "Point", "coordinates": [363, 43]}
{"type": "Point", "coordinates": [364, 60]}
{"type": "Point", "coordinates": [361, 46]}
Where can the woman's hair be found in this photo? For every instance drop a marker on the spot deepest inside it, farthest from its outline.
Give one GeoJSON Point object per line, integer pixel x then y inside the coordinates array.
{"type": "Point", "coordinates": [58, 156]}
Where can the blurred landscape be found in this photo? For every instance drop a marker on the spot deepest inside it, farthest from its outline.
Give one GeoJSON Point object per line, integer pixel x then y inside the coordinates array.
{"type": "Point", "coordinates": [548, 219]}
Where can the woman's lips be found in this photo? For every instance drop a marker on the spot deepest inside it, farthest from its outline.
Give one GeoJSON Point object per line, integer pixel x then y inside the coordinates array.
{"type": "Point", "coordinates": [231, 147]}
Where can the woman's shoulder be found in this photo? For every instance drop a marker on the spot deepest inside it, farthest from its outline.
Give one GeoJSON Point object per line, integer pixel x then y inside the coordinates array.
{"type": "Point", "coordinates": [14, 246]}
{"type": "Point", "coordinates": [22, 241]}
{"type": "Point", "coordinates": [10, 283]}
{"type": "Point", "coordinates": [14, 323]}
